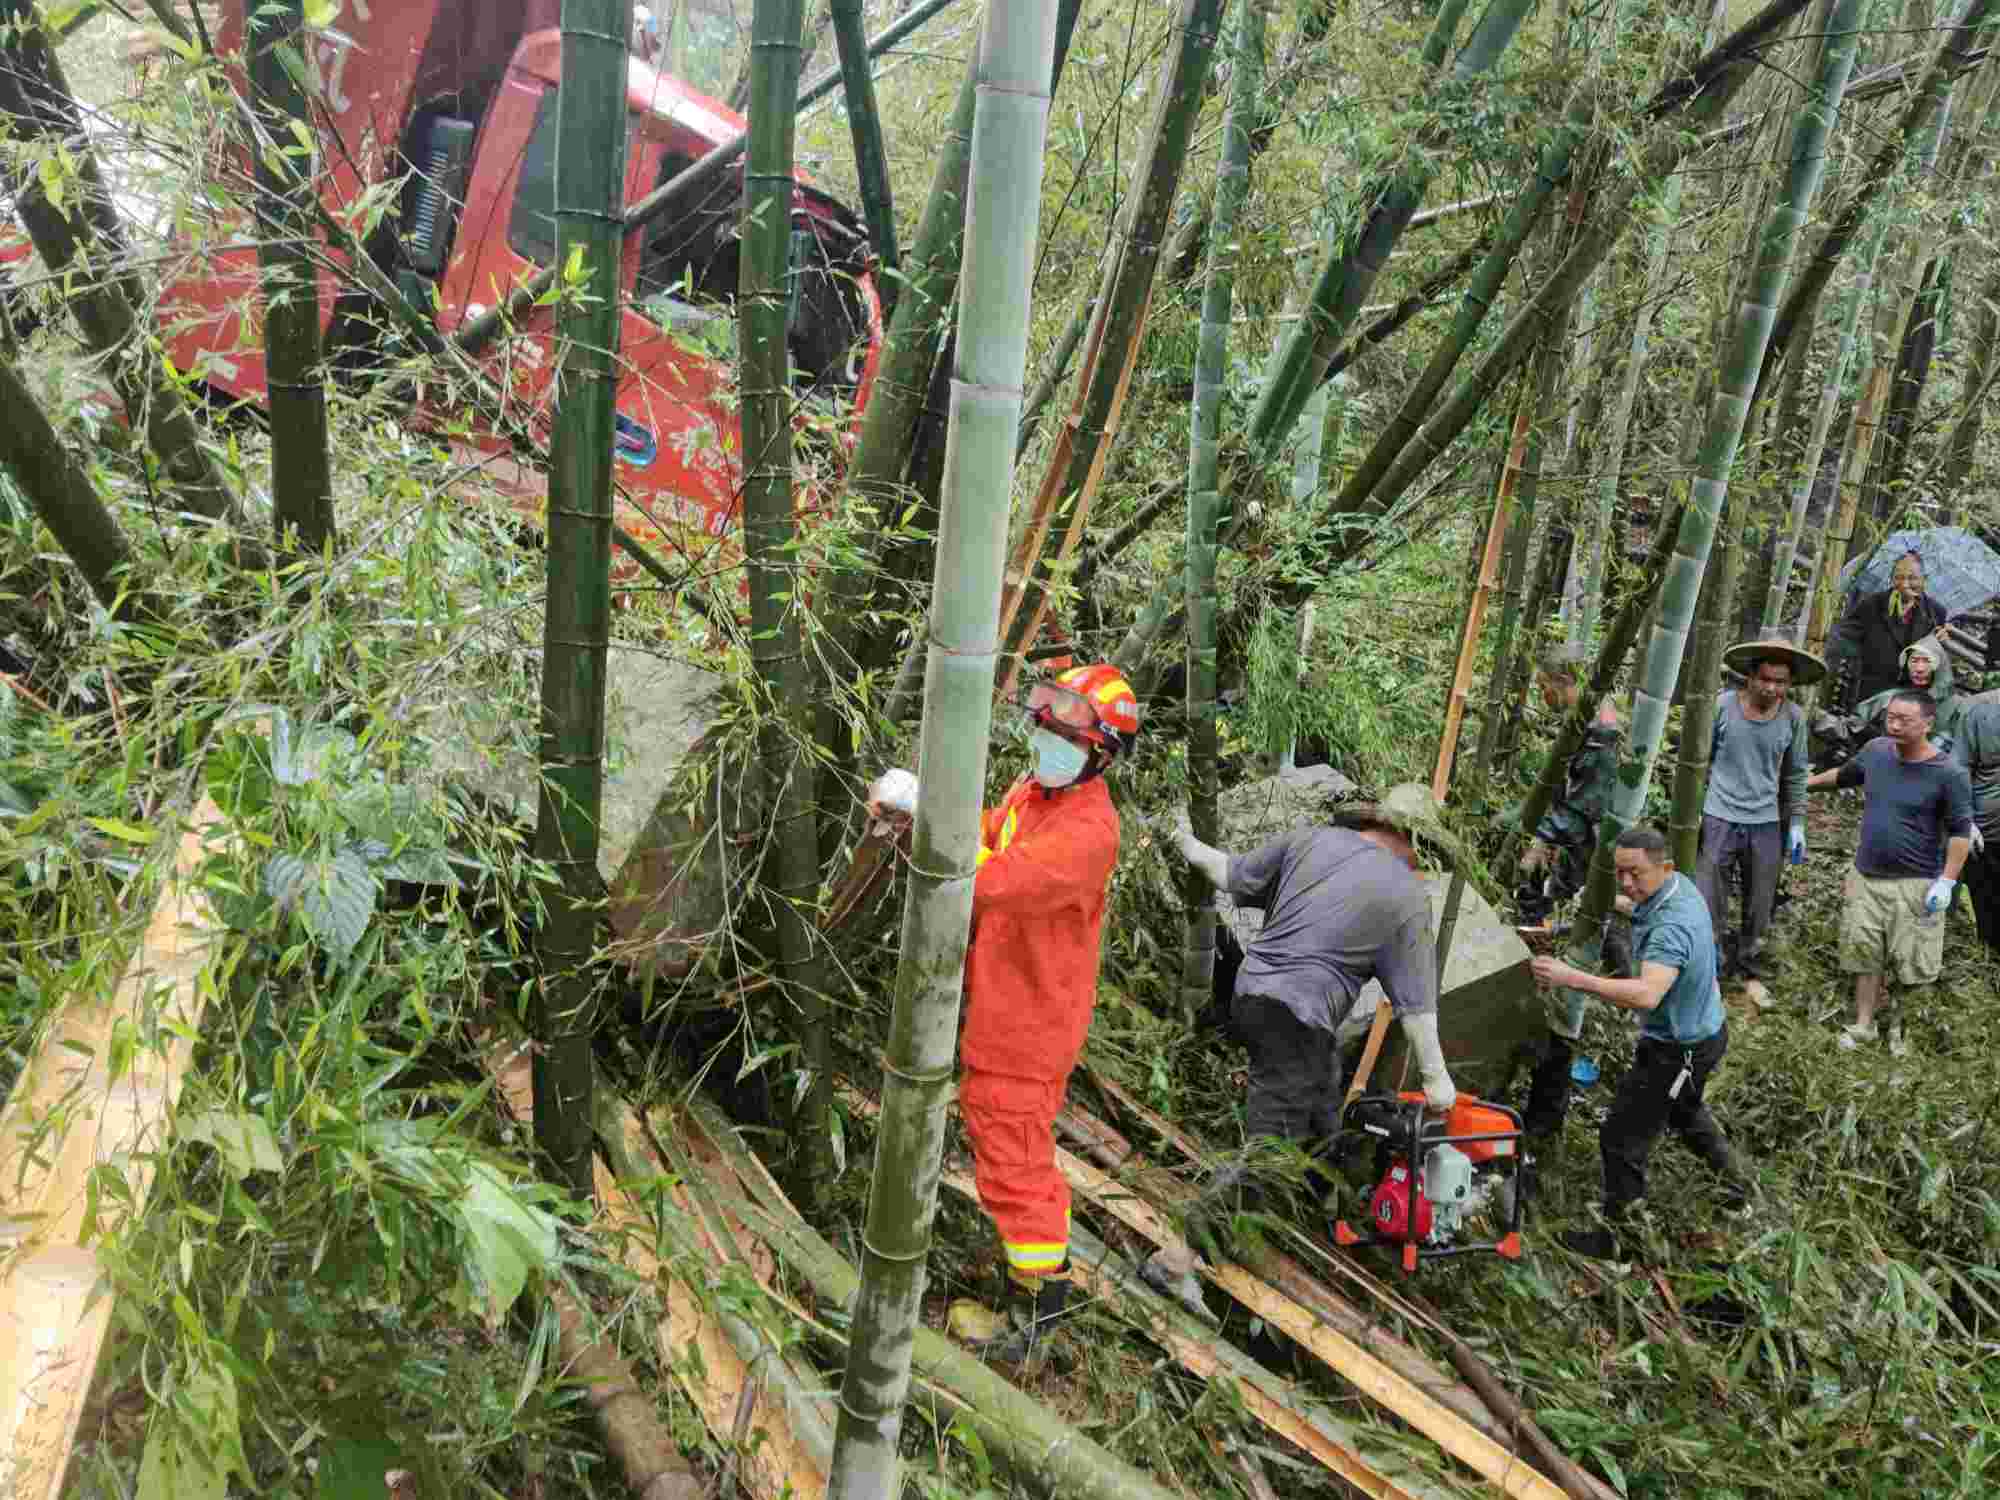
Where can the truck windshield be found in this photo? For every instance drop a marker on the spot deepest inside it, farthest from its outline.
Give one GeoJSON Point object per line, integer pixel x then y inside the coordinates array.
{"type": "Point", "coordinates": [531, 226]}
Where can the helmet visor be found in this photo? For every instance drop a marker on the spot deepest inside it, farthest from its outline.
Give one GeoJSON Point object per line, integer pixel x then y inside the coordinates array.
{"type": "Point", "coordinates": [1054, 706]}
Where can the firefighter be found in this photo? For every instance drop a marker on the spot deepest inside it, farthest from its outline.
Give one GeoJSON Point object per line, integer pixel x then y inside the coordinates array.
{"type": "Point", "coordinates": [1038, 900]}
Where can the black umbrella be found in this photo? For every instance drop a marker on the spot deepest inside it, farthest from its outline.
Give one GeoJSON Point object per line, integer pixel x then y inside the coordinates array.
{"type": "Point", "coordinates": [1960, 571]}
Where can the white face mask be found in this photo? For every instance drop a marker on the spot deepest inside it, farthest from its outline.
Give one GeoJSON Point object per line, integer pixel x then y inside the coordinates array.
{"type": "Point", "coordinates": [1058, 762]}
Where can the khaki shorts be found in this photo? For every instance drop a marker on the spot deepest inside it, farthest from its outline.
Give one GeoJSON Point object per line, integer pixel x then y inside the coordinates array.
{"type": "Point", "coordinates": [1884, 929]}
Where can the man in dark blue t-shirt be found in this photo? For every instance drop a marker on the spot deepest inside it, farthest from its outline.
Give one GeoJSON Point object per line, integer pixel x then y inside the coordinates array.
{"type": "Point", "coordinates": [1680, 1043]}
{"type": "Point", "coordinates": [1916, 831]}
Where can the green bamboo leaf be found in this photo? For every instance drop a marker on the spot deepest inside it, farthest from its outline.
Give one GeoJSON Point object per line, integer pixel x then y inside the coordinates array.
{"type": "Point", "coordinates": [125, 833]}
{"type": "Point", "coordinates": [506, 1238]}
{"type": "Point", "coordinates": [243, 1140]}
{"type": "Point", "coordinates": [195, 1442]}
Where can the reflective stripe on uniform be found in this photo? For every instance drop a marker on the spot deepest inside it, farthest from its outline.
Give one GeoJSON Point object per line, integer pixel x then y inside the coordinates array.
{"type": "Point", "coordinates": [1007, 831]}
{"type": "Point", "coordinates": [1036, 1259]}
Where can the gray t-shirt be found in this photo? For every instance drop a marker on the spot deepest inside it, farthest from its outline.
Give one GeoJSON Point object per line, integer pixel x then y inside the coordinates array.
{"type": "Point", "coordinates": [1338, 911]}
{"type": "Point", "coordinates": [1910, 808]}
{"type": "Point", "coordinates": [1747, 758]}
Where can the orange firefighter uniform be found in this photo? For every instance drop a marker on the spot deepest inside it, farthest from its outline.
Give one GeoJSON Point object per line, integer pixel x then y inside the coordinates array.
{"type": "Point", "coordinates": [1038, 901]}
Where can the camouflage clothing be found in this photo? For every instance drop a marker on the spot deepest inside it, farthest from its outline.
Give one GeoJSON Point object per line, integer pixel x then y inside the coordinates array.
{"type": "Point", "coordinates": [1570, 825]}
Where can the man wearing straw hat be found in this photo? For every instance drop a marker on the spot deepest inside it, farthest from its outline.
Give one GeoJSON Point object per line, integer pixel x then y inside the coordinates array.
{"type": "Point", "coordinates": [1754, 814]}
{"type": "Point", "coordinates": [1343, 905]}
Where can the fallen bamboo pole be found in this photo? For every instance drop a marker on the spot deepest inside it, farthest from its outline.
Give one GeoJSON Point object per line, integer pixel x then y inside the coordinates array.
{"type": "Point", "coordinates": [791, 1456]}
{"type": "Point", "coordinates": [1271, 1400]}
{"type": "Point", "coordinates": [1487, 1404]}
{"type": "Point", "coordinates": [72, 1112]}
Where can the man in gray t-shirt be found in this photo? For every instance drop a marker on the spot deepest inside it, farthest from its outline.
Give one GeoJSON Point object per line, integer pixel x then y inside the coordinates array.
{"type": "Point", "coordinates": [1757, 765]}
{"type": "Point", "coordinates": [1342, 906]}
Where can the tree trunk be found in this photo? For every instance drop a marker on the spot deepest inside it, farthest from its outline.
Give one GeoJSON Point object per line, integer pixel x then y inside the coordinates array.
{"type": "Point", "coordinates": [590, 180]}
{"type": "Point", "coordinates": [871, 163]}
{"type": "Point", "coordinates": [1003, 204]}
{"type": "Point", "coordinates": [1204, 503]}
{"type": "Point", "coordinates": [87, 250]}
{"type": "Point", "coordinates": [1740, 363]}
{"type": "Point", "coordinates": [791, 864]}
{"type": "Point", "coordinates": [287, 182]}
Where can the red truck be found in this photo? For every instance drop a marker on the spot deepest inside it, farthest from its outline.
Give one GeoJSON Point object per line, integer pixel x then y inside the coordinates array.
{"type": "Point", "coordinates": [456, 100]}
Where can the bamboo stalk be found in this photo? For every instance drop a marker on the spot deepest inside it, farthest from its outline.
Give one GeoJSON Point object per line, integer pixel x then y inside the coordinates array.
{"type": "Point", "coordinates": [287, 255]}
{"type": "Point", "coordinates": [1741, 360]}
{"type": "Point", "coordinates": [1950, 60]}
{"type": "Point", "coordinates": [676, 195]}
{"type": "Point", "coordinates": [1355, 257]}
{"type": "Point", "coordinates": [87, 251]}
{"type": "Point", "coordinates": [791, 871]}
{"type": "Point", "coordinates": [1475, 612]}
{"type": "Point", "coordinates": [1016, 55]}
{"type": "Point", "coordinates": [66, 1117]}
{"type": "Point", "coordinates": [1123, 305]}
{"type": "Point", "coordinates": [590, 177]}
{"type": "Point", "coordinates": [871, 163]}
{"type": "Point", "coordinates": [1204, 500]}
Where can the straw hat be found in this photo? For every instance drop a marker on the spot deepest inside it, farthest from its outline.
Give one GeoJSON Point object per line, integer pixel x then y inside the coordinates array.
{"type": "Point", "coordinates": [1408, 809]}
{"type": "Point", "coordinates": [1744, 655]}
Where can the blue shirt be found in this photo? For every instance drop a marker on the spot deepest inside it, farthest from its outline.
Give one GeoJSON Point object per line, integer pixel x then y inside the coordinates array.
{"type": "Point", "coordinates": [1671, 927]}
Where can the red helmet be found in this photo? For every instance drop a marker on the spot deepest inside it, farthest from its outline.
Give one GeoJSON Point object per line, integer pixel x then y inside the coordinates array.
{"type": "Point", "coordinates": [1094, 704]}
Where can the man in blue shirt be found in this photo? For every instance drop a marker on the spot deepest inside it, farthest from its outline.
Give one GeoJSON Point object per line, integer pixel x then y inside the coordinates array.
{"type": "Point", "coordinates": [1682, 1040]}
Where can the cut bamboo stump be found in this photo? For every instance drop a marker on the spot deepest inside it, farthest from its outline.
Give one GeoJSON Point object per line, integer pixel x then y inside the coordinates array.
{"type": "Point", "coordinates": [68, 1116]}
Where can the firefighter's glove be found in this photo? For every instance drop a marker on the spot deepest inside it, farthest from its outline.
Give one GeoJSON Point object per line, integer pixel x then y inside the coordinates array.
{"type": "Point", "coordinates": [1795, 845]}
{"type": "Point", "coordinates": [1938, 897]}
{"type": "Point", "coordinates": [1420, 1029]}
{"type": "Point", "coordinates": [894, 791]}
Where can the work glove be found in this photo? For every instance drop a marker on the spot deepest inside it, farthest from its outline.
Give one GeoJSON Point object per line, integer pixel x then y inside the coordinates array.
{"type": "Point", "coordinates": [1938, 897]}
{"type": "Point", "coordinates": [1796, 844]}
{"type": "Point", "coordinates": [895, 791]}
{"type": "Point", "coordinates": [1978, 839]}
{"type": "Point", "coordinates": [1420, 1029]}
{"type": "Point", "coordinates": [1536, 856]}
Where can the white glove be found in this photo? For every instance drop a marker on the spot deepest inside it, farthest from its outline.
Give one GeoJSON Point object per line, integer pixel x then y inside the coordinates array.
{"type": "Point", "coordinates": [1938, 897]}
{"type": "Point", "coordinates": [1420, 1030]}
{"type": "Point", "coordinates": [895, 791]}
{"type": "Point", "coordinates": [1978, 839]}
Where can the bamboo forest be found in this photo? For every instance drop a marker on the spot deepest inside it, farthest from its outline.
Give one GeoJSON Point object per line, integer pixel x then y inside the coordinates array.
{"type": "Point", "coordinates": [1095, 749]}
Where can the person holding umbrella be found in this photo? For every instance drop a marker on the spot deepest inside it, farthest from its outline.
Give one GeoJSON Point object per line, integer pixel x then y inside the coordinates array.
{"type": "Point", "coordinates": [1754, 815]}
{"type": "Point", "coordinates": [1879, 627]}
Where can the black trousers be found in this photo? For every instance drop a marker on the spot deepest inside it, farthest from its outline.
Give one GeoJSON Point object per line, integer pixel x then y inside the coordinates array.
{"type": "Point", "coordinates": [1982, 885]}
{"type": "Point", "coordinates": [1294, 1072]}
{"type": "Point", "coordinates": [1647, 1105]}
{"type": "Point", "coordinates": [1759, 850]}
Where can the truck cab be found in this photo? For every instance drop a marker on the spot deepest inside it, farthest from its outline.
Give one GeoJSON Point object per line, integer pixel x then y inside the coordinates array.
{"type": "Point", "coordinates": [437, 124]}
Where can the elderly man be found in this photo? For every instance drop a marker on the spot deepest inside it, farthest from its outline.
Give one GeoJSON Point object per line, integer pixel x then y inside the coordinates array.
{"type": "Point", "coordinates": [1682, 1038]}
{"type": "Point", "coordinates": [1878, 628]}
{"type": "Point", "coordinates": [1755, 812]}
{"type": "Point", "coordinates": [1342, 905]}
{"type": "Point", "coordinates": [1916, 831]}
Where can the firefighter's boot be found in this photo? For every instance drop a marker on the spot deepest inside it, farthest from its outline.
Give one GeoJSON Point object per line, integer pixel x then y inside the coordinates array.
{"type": "Point", "coordinates": [1036, 1303]}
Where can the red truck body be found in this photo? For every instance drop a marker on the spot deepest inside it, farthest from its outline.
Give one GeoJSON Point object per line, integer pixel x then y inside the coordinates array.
{"type": "Point", "coordinates": [458, 104]}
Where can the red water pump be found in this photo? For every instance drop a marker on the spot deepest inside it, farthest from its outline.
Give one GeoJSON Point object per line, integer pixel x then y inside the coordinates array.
{"type": "Point", "coordinates": [1437, 1175]}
